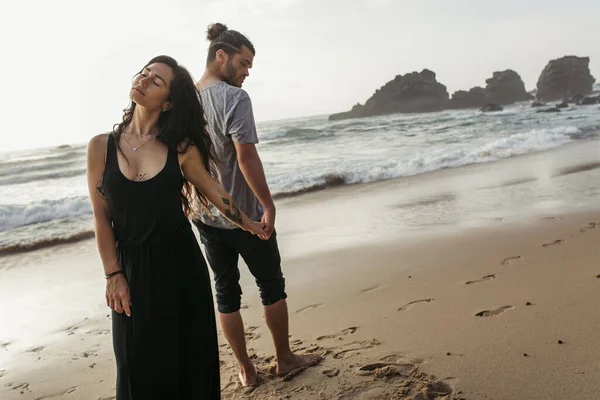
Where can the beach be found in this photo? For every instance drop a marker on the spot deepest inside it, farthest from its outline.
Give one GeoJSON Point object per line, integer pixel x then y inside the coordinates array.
{"type": "Point", "coordinates": [475, 282]}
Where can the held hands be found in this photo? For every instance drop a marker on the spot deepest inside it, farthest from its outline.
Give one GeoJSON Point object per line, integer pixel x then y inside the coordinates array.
{"type": "Point", "coordinates": [256, 228]}
{"type": "Point", "coordinates": [117, 294]}
{"type": "Point", "coordinates": [268, 220]}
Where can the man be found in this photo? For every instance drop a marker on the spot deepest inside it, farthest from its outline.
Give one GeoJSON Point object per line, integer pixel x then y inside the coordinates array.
{"type": "Point", "coordinates": [228, 112]}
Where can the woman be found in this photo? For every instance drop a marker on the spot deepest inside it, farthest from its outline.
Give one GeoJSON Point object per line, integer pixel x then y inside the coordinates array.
{"type": "Point", "coordinates": [142, 178]}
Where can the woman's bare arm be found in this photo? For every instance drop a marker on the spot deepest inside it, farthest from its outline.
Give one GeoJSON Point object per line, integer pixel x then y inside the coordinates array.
{"type": "Point", "coordinates": [105, 237]}
{"type": "Point", "coordinates": [117, 290]}
{"type": "Point", "coordinates": [195, 172]}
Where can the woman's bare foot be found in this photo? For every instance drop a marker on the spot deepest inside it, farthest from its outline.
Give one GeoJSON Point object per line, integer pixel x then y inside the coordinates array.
{"type": "Point", "coordinates": [291, 367]}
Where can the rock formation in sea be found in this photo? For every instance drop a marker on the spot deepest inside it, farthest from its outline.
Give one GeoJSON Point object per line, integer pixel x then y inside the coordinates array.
{"type": "Point", "coordinates": [567, 80]}
{"type": "Point", "coordinates": [506, 87]}
{"type": "Point", "coordinates": [564, 78]}
{"type": "Point", "coordinates": [411, 93]}
{"type": "Point", "coordinates": [474, 98]}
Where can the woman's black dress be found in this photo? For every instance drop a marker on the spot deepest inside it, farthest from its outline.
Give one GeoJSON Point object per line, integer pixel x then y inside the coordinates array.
{"type": "Point", "coordinates": [168, 348]}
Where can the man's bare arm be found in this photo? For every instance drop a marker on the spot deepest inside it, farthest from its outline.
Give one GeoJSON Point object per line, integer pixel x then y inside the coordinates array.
{"type": "Point", "coordinates": [252, 168]}
{"type": "Point", "coordinates": [253, 171]}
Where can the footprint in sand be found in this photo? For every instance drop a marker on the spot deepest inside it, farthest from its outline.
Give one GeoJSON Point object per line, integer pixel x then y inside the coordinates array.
{"type": "Point", "coordinates": [331, 373]}
{"type": "Point", "coordinates": [591, 225]}
{"type": "Point", "coordinates": [372, 288]}
{"type": "Point", "coordinates": [509, 260]}
{"type": "Point", "coordinates": [491, 313]}
{"type": "Point", "coordinates": [559, 241]}
{"type": "Point", "coordinates": [21, 388]}
{"type": "Point", "coordinates": [58, 395]}
{"type": "Point", "coordinates": [299, 345]}
{"type": "Point", "coordinates": [347, 331]}
{"type": "Point", "coordinates": [100, 332]}
{"type": "Point", "coordinates": [349, 349]}
{"type": "Point", "coordinates": [408, 305]}
{"type": "Point", "coordinates": [2, 373]}
{"type": "Point", "coordinates": [449, 354]}
{"type": "Point", "coordinates": [308, 307]}
{"type": "Point", "coordinates": [73, 328]}
{"type": "Point", "coordinates": [485, 278]}
{"type": "Point", "coordinates": [251, 333]}
{"type": "Point", "coordinates": [87, 354]}
{"type": "Point", "coordinates": [4, 345]}
{"type": "Point", "coordinates": [400, 359]}
{"type": "Point", "coordinates": [36, 349]}
{"type": "Point", "coordinates": [395, 382]}
{"type": "Point", "coordinates": [552, 218]}
{"type": "Point", "coordinates": [387, 370]}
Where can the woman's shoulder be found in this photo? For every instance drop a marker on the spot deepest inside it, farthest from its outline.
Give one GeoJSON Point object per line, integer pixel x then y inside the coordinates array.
{"type": "Point", "coordinates": [98, 143]}
{"type": "Point", "coordinates": [98, 140]}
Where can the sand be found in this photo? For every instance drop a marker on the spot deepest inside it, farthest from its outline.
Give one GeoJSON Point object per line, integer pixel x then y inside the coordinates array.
{"type": "Point", "coordinates": [499, 306]}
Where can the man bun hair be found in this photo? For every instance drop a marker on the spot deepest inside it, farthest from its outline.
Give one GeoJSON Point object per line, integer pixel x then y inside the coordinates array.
{"type": "Point", "coordinates": [223, 38]}
{"type": "Point", "coordinates": [215, 30]}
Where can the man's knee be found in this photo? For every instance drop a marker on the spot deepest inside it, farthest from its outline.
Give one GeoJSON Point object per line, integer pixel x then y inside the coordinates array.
{"type": "Point", "coordinates": [229, 301]}
{"type": "Point", "coordinates": [271, 290]}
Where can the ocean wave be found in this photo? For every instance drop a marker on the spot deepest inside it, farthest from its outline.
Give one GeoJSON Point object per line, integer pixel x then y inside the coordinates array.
{"type": "Point", "coordinates": [44, 159]}
{"type": "Point", "coordinates": [295, 133]}
{"type": "Point", "coordinates": [16, 215]}
{"type": "Point", "coordinates": [432, 159]}
{"type": "Point", "coordinates": [65, 173]}
{"type": "Point", "coordinates": [303, 156]}
{"type": "Point", "coordinates": [27, 168]}
{"type": "Point", "coordinates": [326, 182]}
{"type": "Point", "coordinates": [43, 243]}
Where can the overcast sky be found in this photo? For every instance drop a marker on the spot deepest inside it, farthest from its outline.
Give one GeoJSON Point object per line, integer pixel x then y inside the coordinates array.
{"type": "Point", "coordinates": [67, 65]}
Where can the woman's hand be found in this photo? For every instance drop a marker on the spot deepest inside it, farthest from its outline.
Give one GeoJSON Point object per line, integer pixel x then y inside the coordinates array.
{"type": "Point", "coordinates": [117, 294]}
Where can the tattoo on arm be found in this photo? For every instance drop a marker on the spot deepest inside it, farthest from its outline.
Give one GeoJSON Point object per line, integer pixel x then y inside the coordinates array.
{"type": "Point", "coordinates": [232, 211]}
{"type": "Point", "coordinates": [100, 190]}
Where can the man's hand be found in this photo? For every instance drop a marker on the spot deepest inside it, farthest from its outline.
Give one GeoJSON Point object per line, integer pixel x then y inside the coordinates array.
{"type": "Point", "coordinates": [268, 221]}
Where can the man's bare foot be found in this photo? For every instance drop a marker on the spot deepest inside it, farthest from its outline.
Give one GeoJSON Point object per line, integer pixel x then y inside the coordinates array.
{"type": "Point", "coordinates": [249, 378]}
{"type": "Point", "coordinates": [287, 369]}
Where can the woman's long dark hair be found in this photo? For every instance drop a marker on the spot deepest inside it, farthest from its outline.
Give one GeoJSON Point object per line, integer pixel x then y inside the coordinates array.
{"type": "Point", "coordinates": [181, 126]}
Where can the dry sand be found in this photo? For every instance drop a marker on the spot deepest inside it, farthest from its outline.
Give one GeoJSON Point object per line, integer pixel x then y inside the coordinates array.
{"type": "Point", "coordinates": [483, 312]}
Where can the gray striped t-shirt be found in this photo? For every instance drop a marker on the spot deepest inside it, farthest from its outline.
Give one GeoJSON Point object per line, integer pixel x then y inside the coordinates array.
{"type": "Point", "coordinates": [228, 112]}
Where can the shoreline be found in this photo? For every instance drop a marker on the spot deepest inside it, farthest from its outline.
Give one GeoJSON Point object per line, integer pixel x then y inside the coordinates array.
{"type": "Point", "coordinates": [571, 158]}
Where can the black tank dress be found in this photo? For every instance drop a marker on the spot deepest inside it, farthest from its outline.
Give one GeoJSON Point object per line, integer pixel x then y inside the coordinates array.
{"type": "Point", "coordinates": [168, 348]}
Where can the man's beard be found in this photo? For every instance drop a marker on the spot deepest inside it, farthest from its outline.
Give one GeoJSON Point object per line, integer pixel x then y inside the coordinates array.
{"type": "Point", "coordinates": [230, 76]}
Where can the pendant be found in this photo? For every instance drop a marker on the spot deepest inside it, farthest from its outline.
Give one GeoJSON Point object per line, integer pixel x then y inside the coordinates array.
{"type": "Point", "coordinates": [135, 148]}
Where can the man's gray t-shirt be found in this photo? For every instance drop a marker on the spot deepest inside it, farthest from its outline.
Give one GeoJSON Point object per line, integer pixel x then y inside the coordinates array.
{"type": "Point", "coordinates": [228, 112]}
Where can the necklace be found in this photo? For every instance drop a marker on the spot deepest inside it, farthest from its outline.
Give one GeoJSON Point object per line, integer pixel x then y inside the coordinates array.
{"type": "Point", "coordinates": [140, 146]}
{"type": "Point", "coordinates": [141, 134]}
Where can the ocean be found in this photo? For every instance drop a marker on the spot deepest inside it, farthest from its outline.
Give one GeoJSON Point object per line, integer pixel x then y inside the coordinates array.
{"type": "Point", "coordinates": [43, 193]}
